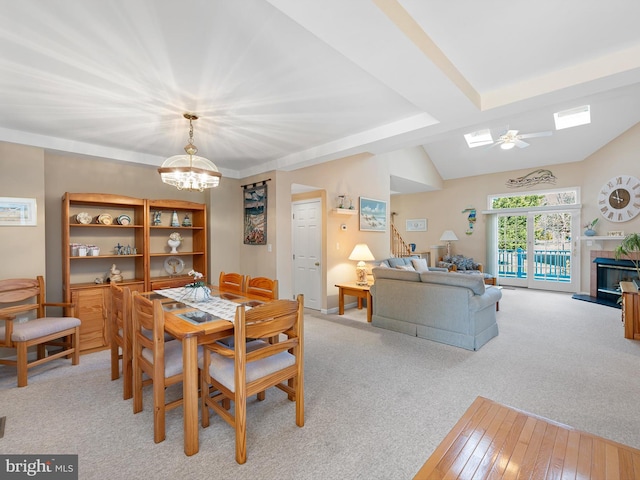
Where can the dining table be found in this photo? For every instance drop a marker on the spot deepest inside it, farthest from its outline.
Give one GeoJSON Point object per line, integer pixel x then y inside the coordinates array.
{"type": "Point", "coordinates": [197, 322]}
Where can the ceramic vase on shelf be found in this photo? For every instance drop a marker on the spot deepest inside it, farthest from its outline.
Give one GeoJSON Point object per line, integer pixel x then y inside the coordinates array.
{"type": "Point", "coordinates": [174, 241]}
{"type": "Point", "coordinates": [589, 232]}
{"type": "Point", "coordinates": [174, 219]}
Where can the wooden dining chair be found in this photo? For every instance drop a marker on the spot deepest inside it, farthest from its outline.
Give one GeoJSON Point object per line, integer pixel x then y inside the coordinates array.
{"type": "Point", "coordinates": [121, 331]}
{"type": "Point", "coordinates": [231, 282]}
{"type": "Point", "coordinates": [251, 367]}
{"type": "Point", "coordinates": [23, 297]}
{"type": "Point", "coordinates": [263, 287]}
{"type": "Point", "coordinates": [160, 360]}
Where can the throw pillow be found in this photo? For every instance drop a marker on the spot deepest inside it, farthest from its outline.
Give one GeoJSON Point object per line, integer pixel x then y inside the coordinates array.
{"type": "Point", "coordinates": [383, 265]}
{"type": "Point", "coordinates": [406, 267]}
{"type": "Point", "coordinates": [420, 264]}
{"type": "Point", "coordinates": [394, 262]}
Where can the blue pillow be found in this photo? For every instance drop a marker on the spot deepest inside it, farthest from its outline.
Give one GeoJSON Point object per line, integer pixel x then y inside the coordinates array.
{"type": "Point", "coordinates": [394, 262]}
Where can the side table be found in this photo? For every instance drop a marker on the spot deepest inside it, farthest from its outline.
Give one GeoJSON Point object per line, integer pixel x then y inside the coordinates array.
{"type": "Point", "coordinates": [354, 290]}
{"type": "Point", "coordinates": [630, 310]}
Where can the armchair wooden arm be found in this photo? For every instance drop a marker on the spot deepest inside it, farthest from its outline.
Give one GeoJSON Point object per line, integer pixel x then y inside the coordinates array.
{"type": "Point", "coordinates": [454, 268]}
{"type": "Point", "coordinates": [71, 312]}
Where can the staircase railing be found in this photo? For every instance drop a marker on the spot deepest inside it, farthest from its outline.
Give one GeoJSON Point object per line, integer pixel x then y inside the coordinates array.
{"type": "Point", "coordinates": [399, 248]}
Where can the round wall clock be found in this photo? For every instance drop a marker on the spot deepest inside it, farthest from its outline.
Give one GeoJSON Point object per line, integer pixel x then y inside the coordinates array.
{"type": "Point", "coordinates": [619, 198]}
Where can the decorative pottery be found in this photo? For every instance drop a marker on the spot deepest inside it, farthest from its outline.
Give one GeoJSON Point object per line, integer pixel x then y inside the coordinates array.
{"type": "Point", "coordinates": [197, 294]}
{"type": "Point", "coordinates": [589, 232]}
{"type": "Point", "coordinates": [83, 218]}
{"type": "Point", "coordinates": [174, 241]}
{"type": "Point", "coordinates": [174, 244]}
{"type": "Point", "coordinates": [174, 219]}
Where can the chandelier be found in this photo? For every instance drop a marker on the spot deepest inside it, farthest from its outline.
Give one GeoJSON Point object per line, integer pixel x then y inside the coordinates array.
{"type": "Point", "coordinates": [190, 172]}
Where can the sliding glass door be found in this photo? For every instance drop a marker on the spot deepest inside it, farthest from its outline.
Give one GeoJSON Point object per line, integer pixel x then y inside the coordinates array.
{"type": "Point", "coordinates": [537, 250]}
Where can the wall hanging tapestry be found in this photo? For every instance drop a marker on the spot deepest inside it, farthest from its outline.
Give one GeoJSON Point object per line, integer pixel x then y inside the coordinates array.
{"type": "Point", "coordinates": [255, 213]}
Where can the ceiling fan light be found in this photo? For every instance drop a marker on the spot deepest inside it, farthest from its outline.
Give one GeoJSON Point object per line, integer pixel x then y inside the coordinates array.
{"type": "Point", "coordinates": [507, 145]}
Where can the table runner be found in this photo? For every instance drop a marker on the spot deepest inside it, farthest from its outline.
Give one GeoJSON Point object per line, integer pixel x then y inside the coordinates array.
{"type": "Point", "coordinates": [214, 305]}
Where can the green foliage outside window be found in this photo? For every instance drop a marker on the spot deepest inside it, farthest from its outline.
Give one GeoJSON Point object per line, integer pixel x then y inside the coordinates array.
{"type": "Point", "coordinates": [512, 230]}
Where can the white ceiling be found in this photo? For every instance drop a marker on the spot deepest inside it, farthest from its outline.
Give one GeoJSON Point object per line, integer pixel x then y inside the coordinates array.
{"type": "Point", "coordinates": [281, 84]}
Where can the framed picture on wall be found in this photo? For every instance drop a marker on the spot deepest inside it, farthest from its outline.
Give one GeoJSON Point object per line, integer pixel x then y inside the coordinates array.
{"type": "Point", "coordinates": [373, 215]}
{"type": "Point", "coordinates": [18, 212]}
{"type": "Point", "coordinates": [416, 225]}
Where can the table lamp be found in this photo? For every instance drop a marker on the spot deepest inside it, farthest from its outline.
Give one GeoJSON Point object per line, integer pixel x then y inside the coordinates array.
{"type": "Point", "coordinates": [448, 236]}
{"type": "Point", "coordinates": [361, 253]}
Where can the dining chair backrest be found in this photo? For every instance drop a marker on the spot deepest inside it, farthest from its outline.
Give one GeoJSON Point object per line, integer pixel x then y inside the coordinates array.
{"type": "Point", "coordinates": [250, 367]}
{"type": "Point", "coordinates": [263, 287]}
{"type": "Point", "coordinates": [231, 282]}
{"type": "Point", "coordinates": [27, 297]}
{"type": "Point", "coordinates": [121, 331]}
{"type": "Point", "coordinates": [161, 361]}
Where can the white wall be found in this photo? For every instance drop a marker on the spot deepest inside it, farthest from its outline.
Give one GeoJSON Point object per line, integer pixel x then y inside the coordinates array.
{"type": "Point", "coordinates": [23, 252]}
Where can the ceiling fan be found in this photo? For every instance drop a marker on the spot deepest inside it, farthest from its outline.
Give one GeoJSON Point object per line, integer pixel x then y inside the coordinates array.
{"type": "Point", "coordinates": [511, 138]}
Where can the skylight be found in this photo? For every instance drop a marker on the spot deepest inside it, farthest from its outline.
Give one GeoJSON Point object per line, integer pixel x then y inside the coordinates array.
{"type": "Point", "coordinates": [573, 117]}
{"type": "Point", "coordinates": [479, 138]}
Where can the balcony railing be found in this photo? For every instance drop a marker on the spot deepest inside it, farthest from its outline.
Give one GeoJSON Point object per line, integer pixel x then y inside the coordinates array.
{"type": "Point", "coordinates": [548, 265]}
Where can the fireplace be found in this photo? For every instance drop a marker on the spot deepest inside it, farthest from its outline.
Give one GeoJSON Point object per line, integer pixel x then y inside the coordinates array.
{"type": "Point", "coordinates": [606, 275]}
{"type": "Point", "coordinates": [609, 274]}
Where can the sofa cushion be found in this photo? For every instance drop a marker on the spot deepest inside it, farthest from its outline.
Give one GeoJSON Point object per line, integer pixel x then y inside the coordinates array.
{"type": "Point", "coordinates": [408, 268]}
{"type": "Point", "coordinates": [395, 274]}
{"type": "Point", "coordinates": [420, 264]}
{"type": "Point", "coordinates": [396, 261]}
{"type": "Point", "coordinates": [475, 283]}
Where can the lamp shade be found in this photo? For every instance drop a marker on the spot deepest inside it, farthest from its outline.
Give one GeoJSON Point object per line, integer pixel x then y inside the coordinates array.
{"type": "Point", "coordinates": [448, 236]}
{"type": "Point", "coordinates": [361, 252]}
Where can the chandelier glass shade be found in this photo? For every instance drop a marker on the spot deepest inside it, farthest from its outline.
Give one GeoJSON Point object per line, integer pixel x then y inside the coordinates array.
{"type": "Point", "coordinates": [190, 172]}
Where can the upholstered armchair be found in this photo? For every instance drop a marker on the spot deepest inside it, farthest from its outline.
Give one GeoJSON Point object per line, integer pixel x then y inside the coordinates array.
{"type": "Point", "coordinates": [457, 263]}
{"type": "Point", "coordinates": [462, 264]}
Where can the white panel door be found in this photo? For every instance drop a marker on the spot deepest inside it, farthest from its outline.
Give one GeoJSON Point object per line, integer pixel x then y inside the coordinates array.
{"type": "Point", "coordinates": [307, 251]}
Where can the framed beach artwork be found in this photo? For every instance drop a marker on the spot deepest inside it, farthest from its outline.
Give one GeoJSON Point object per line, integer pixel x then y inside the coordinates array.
{"type": "Point", "coordinates": [416, 225]}
{"type": "Point", "coordinates": [373, 215]}
{"type": "Point", "coordinates": [17, 212]}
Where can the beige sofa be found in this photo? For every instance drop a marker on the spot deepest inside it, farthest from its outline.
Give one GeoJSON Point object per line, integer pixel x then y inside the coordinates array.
{"type": "Point", "coordinates": [445, 307]}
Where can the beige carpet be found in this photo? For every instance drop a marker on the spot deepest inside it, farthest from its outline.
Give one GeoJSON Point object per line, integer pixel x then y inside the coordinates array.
{"type": "Point", "coordinates": [377, 402]}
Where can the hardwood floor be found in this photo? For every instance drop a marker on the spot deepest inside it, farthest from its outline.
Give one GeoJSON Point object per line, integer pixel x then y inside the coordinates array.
{"type": "Point", "coordinates": [495, 441]}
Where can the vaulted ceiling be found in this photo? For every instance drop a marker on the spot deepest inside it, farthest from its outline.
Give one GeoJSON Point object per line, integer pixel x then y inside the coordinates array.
{"type": "Point", "coordinates": [281, 84]}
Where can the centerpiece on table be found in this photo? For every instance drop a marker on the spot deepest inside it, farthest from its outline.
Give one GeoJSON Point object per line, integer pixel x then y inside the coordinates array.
{"type": "Point", "coordinates": [197, 291]}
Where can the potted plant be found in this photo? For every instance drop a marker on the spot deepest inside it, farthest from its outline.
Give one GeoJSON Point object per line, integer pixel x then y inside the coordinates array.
{"type": "Point", "coordinates": [590, 232]}
{"type": "Point", "coordinates": [630, 248]}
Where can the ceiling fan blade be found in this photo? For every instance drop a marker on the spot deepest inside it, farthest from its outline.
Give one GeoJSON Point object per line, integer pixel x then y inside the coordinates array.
{"type": "Point", "coordinates": [537, 134]}
{"type": "Point", "coordinates": [519, 143]}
